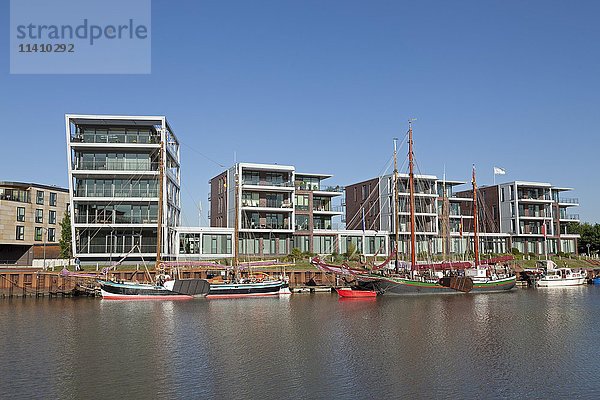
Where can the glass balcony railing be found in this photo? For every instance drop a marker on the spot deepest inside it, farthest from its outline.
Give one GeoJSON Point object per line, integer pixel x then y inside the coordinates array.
{"type": "Point", "coordinates": [119, 219]}
{"type": "Point", "coordinates": [117, 166]}
{"type": "Point", "coordinates": [116, 193]}
{"type": "Point", "coordinates": [141, 138]}
{"type": "Point", "coordinates": [569, 200]}
{"type": "Point", "coordinates": [102, 248]}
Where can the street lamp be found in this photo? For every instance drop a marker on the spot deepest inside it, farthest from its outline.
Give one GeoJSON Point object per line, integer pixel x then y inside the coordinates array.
{"type": "Point", "coordinates": [588, 246]}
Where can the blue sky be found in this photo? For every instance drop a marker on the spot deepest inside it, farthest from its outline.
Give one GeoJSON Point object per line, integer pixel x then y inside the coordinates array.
{"type": "Point", "coordinates": [326, 86]}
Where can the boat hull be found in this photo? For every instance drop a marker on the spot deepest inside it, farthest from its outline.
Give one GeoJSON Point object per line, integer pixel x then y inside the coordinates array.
{"type": "Point", "coordinates": [403, 287]}
{"type": "Point", "coordinates": [561, 282]}
{"type": "Point", "coordinates": [238, 290]}
{"type": "Point", "coordinates": [350, 293]}
{"type": "Point", "coordinates": [138, 291]}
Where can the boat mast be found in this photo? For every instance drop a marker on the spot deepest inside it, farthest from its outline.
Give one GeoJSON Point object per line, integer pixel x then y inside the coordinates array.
{"type": "Point", "coordinates": [160, 201]}
{"type": "Point", "coordinates": [396, 199]}
{"type": "Point", "coordinates": [236, 229]}
{"type": "Point", "coordinates": [475, 237]}
{"type": "Point", "coordinates": [445, 220]}
{"type": "Point", "coordinates": [411, 185]}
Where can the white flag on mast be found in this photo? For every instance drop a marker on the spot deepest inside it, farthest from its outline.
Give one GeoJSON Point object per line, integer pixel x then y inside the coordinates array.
{"type": "Point", "coordinates": [499, 171]}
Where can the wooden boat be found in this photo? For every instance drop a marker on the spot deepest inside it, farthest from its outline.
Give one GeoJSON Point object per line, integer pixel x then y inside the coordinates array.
{"type": "Point", "coordinates": [178, 289]}
{"type": "Point", "coordinates": [251, 286]}
{"type": "Point", "coordinates": [411, 281]}
{"type": "Point", "coordinates": [164, 288]}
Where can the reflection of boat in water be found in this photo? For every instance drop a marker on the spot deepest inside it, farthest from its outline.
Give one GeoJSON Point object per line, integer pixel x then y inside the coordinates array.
{"type": "Point", "coordinates": [557, 277]}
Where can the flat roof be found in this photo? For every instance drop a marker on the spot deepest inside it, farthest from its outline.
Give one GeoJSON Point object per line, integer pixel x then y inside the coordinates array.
{"type": "Point", "coordinates": [266, 167]}
{"type": "Point", "coordinates": [27, 185]}
{"type": "Point", "coordinates": [312, 175]}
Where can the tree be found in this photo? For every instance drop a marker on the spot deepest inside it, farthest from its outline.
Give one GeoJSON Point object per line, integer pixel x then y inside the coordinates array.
{"type": "Point", "coordinates": [590, 234]}
{"type": "Point", "coordinates": [65, 237]}
{"type": "Point", "coordinates": [350, 251]}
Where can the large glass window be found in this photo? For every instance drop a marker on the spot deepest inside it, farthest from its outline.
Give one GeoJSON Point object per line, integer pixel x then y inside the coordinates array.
{"type": "Point", "coordinates": [39, 198]}
{"type": "Point", "coordinates": [51, 234]}
{"type": "Point", "coordinates": [302, 243]}
{"type": "Point", "coordinates": [39, 216]}
{"type": "Point", "coordinates": [282, 246]}
{"type": "Point", "coordinates": [301, 222]}
{"type": "Point", "coordinates": [322, 244]}
{"type": "Point", "coordinates": [14, 195]}
{"type": "Point", "coordinates": [322, 222]}
{"type": "Point", "coordinates": [250, 199]}
{"type": "Point", "coordinates": [21, 214]}
{"type": "Point", "coordinates": [52, 199]}
{"type": "Point", "coordinates": [274, 221]}
{"type": "Point", "coordinates": [216, 244]}
{"type": "Point", "coordinates": [39, 232]}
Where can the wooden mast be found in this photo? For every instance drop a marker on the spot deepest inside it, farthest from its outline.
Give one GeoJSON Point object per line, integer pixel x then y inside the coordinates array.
{"type": "Point", "coordinates": [160, 201]}
{"type": "Point", "coordinates": [396, 200]}
{"type": "Point", "coordinates": [236, 229]}
{"type": "Point", "coordinates": [475, 237]}
{"type": "Point", "coordinates": [445, 221]}
{"type": "Point", "coordinates": [411, 183]}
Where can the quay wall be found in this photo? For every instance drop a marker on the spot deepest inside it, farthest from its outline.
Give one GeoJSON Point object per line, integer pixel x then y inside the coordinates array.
{"type": "Point", "coordinates": [35, 282]}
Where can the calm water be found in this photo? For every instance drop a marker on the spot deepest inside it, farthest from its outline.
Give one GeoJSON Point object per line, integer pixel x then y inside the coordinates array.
{"type": "Point", "coordinates": [528, 343]}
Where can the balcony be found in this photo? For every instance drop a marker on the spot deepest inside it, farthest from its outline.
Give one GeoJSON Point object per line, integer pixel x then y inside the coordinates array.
{"type": "Point", "coordinates": [116, 166]}
{"type": "Point", "coordinates": [569, 217]}
{"type": "Point", "coordinates": [117, 137]}
{"type": "Point", "coordinates": [133, 193]}
{"type": "Point", "coordinates": [567, 200]}
{"type": "Point", "coordinates": [119, 219]}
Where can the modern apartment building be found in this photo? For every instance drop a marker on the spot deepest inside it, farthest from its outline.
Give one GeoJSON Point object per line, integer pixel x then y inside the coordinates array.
{"type": "Point", "coordinates": [443, 217]}
{"type": "Point", "coordinates": [30, 217]}
{"type": "Point", "coordinates": [119, 169]}
{"type": "Point", "coordinates": [280, 209]}
{"type": "Point", "coordinates": [533, 214]}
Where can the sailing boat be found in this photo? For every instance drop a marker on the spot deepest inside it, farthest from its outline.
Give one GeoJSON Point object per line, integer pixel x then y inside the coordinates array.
{"type": "Point", "coordinates": [250, 286]}
{"type": "Point", "coordinates": [165, 287]}
{"type": "Point", "coordinates": [484, 276]}
{"type": "Point", "coordinates": [408, 281]}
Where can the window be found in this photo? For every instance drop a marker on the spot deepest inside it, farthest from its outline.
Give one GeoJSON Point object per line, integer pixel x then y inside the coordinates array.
{"type": "Point", "coordinates": [39, 216]}
{"type": "Point", "coordinates": [21, 214]}
{"type": "Point", "coordinates": [502, 194]}
{"type": "Point", "coordinates": [39, 198]}
{"type": "Point", "coordinates": [38, 233]}
{"type": "Point", "coordinates": [52, 217]}
{"type": "Point", "coordinates": [302, 202]}
{"type": "Point", "coordinates": [20, 235]}
{"type": "Point", "coordinates": [51, 235]}
{"type": "Point", "coordinates": [53, 199]}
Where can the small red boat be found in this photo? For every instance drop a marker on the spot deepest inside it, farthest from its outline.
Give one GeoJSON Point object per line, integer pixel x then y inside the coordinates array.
{"type": "Point", "coordinates": [355, 293]}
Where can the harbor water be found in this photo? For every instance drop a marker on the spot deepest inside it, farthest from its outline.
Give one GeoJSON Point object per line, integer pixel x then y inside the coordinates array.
{"type": "Point", "coordinates": [528, 343]}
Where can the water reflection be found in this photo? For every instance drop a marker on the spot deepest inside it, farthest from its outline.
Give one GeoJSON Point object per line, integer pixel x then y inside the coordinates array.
{"type": "Point", "coordinates": [527, 343]}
